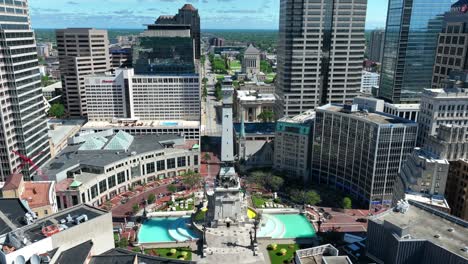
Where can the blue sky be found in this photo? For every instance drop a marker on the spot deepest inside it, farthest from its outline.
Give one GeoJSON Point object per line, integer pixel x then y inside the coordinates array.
{"type": "Point", "coordinates": [215, 14]}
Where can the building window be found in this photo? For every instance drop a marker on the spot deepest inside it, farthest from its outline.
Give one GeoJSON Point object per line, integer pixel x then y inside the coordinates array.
{"type": "Point", "coordinates": [45, 212]}
{"type": "Point", "coordinates": [83, 198]}
{"type": "Point", "coordinates": [74, 199]}
{"type": "Point", "coordinates": [195, 160]}
{"type": "Point", "coordinates": [181, 162]}
{"type": "Point", "coordinates": [170, 164]}
{"type": "Point", "coordinates": [150, 168]}
{"type": "Point", "coordinates": [94, 191]}
{"type": "Point", "coordinates": [111, 181]}
{"type": "Point", "coordinates": [102, 186]}
{"type": "Point", "coordinates": [120, 177]}
{"type": "Point", "coordinates": [161, 165]}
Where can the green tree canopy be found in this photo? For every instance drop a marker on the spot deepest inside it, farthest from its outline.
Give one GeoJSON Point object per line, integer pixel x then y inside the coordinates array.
{"type": "Point", "coordinates": [304, 197]}
{"type": "Point", "coordinates": [172, 188]}
{"type": "Point", "coordinates": [274, 183]}
{"type": "Point", "coordinates": [266, 116]}
{"type": "Point", "coordinates": [151, 198]}
{"type": "Point", "coordinates": [191, 179]}
{"type": "Point", "coordinates": [57, 110]}
{"type": "Point", "coordinates": [347, 203]}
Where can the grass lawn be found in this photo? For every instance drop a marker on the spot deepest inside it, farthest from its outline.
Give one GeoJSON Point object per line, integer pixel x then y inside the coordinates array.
{"type": "Point", "coordinates": [277, 258]}
{"type": "Point", "coordinates": [165, 252]}
{"type": "Point", "coordinates": [269, 78]}
{"type": "Point", "coordinates": [189, 208]}
{"type": "Point", "coordinates": [258, 201]}
{"type": "Point", "coordinates": [219, 77]}
{"type": "Point", "coordinates": [235, 65]}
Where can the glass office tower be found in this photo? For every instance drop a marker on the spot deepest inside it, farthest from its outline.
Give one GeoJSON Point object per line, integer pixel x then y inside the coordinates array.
{"type": "Point", "coordinates": [410, 45]}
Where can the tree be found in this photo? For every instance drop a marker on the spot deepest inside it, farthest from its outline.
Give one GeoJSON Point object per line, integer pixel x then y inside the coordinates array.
{"type": "Point", "coordinates": [265, 67]}
{"type": "Point", "coordinates": [312, 198]}
{"type": "Point", "coordinates": [206, 157]}
{"type": "Point", "coordinates": [266, 116]}
{"type": "Point", "coordinates": [191, 179]}
{"type": "Point", "coordinates": [347, 204]}
{"type": "Point", "coordinates": [205, 91]}
{"type": "Point", "coordinates": [172, 188]}
{"type": "Point", "coordinates": [57, 110]}
{"type": "Point", "coordinates": [304, 197]}
{"type": "Point", "coordinates": [151, 198]}
{"type": "Point", "coordinates": [274, 182]}
{"type": "Point", "coordinates": [218, 91]}
{"type": "Point", "coordinates": [135, 208]}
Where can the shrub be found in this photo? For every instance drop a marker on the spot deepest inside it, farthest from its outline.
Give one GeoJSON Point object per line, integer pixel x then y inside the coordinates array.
{"type": "Point", "coordinates": [170, 203]}
{"type": "Point", "coordinates": [184, 254]}
{"type": "Point", "coordinates": [151, 198]}
{"type": "Point", "coordinates": [172, 251]}
{"type": "Point", "coordinates": [283, 251]}
{"type": "Point", "coordinates": [272, 246]}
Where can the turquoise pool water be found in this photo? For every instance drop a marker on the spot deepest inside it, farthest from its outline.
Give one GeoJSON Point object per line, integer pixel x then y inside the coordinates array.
{"type": "Point", "coordinates": [169, 123]}
{"type": "Point", "coordinates": [285, 226]}
{"type": "Point", "coordinates": [169, 229]}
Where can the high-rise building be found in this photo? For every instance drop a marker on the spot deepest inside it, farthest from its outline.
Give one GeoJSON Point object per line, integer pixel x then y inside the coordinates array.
{"type": "Point", "coordinates": [456, 192]}
{"type": "Point", "coordinates": [188, 16]}
{"type": "Point", "coordinates": [416, 233]}
{"type": "Point", "coordinates": [292, 145]}
{"type": "Point", "coordinates": [410, 45]}
{"type": "Point", "coordinates": [164, 49]}
{"type": "Point", "coordinates": [82, 51]}
{"type": "Point", "coordinates": [369, 80]}
{"type": "Point", "coordinates": [452, 47]}
{"type": "Point", "coordinates": [360, 152]}
{"type": "Point", "coordinates": [446, 107]}
{"type": "Point", "coordinates": [320, 53]}
{"type": "Point", "coordinates": [376, 45]}
{"type": "Point", "coordinates": [143, 97]}
{"type": "Point", "coordinates": [23, 127]}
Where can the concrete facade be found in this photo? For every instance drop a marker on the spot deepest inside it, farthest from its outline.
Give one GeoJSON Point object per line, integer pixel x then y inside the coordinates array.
{"type": "Point", "coordinates": [369, 79]}
{"type": "Point", "coordinates": [319, 54]}
{"type": "Point", "coordinates": [360, 152]}
{"type": "Point", "coordinates": [22, 110]}
{"type": "Point", "coordinates": [292, 145]}
{"type": "Point", "coordinates": [251, 61]}
{"type": "Point", "coordinates": [457, 190]}
{"type": "Point", "coordinates": [250, 104]}
{"type": "Point", "coordinates": [82, 51]}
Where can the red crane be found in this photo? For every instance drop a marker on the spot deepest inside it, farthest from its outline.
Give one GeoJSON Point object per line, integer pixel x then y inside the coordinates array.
{"type": "Point", "coordinates": [29, 161]}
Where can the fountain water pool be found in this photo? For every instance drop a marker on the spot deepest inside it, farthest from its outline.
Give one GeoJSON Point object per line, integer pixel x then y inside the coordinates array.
{"type": "Point", "coordinates": [170, 229]}
{"type": "Point", "coordinates": [285, 226]}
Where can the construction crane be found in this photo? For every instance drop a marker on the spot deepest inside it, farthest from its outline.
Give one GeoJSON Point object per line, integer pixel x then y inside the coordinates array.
{"type": "Point", "coordinates": [29, 161]}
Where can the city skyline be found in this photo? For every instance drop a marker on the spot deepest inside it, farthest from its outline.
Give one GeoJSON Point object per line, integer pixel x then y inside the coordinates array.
{"type": "Point", "coordinates": [133, 14]}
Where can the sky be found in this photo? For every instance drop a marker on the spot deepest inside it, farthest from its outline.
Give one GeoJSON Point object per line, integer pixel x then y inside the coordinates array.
{"type": "Point", "coordinates": [214, 14]}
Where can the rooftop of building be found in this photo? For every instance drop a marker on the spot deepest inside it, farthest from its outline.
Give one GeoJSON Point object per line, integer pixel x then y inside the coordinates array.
{"type": "Point", "coordinates": [12, 213]}
{"type": "Point", "coordinates": [60, 130]}
{"type": "Point", "coordinates": [299, 119]}
{"type": "Point", "coordinates": [251, 50]}
{"type": "Point", "coordinates": [189, 7]}
{"type": "Point", "coordinates": [403, 107]}
{"type": "Point", "coordinates": [52, 87]}
{"type": "Point", "coordinates": [374, 117]}
{"type": "Point", "coordinates": [76, 254]}
{"type": "Point", "coordinates": [13, 182]}
{"type": "Point", "coordinates": [429, 157]}
{"type": "Point", "coordinates": [327, 254]}
{"type": "Point", "coordinates": [123, 256]}
{"type": "Point", "coordinates": [37, 194]}
{"type": "Point", "coordinates": [113, 148]}
{"type": "Point", "coordinates": [434, 200]}
{"type": "Point", "coordinates": [50, 225]}
{"type": "Point", "coordinates": [254, 96]}
{"type": "Point", "coordinates": [142, 124]}
{"type": "Point", "coordinates": [423, 222]}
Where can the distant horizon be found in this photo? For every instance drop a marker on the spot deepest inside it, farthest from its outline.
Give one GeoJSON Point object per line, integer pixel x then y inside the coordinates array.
{"type": "Point", "coordinates": [217, 29]}
{"type": "Point", "coordinates": [133, 14]}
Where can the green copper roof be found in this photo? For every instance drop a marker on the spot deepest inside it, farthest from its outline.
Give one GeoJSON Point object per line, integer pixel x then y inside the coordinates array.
{"type": "Point", "coordinates": [196, 146]}
{"type": "Point", "coordinates": [121, 141]}
{"type": "Point", "coordinates": [94, 143]}
{"type": "Point", "coordinates": [75, 184]}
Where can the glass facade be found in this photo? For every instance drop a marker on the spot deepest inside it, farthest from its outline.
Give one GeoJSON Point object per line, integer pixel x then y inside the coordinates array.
{"type": "Point", "coordinates": [410, 45]}
{"type": "Point", "coordinates": [163, 55]}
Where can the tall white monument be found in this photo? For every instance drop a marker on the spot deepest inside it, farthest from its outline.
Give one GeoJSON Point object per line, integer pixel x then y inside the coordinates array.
{"type": "Point", "coordinates": [225, 204]}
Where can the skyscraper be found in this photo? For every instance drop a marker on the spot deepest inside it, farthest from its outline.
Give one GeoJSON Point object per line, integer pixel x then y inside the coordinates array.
{"type": "Point", "coordinates": [320, 53]}
{"type": "Point", "coordinates": [82, 51]}
{"type": "Point", "coordinates": [452, 47]}
{"type": "Point", "coordinates": [187, 15]}
{"type": "Point", "coordinates": [409, 51]}
{"type": "Point", "coordinates": [23, 127]}
{"type": "Point", "coordinates": [376, 45]}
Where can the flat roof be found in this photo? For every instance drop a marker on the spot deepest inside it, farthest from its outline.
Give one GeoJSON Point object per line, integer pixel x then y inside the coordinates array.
{"type": "Point", "coordinates": [33, 232]}
{"type": "Point", "coordinates": [71, 156]}
{"type": "Point", "coordinates": [76, 254]}
{"type": "Point", "coordinates": [36, 193]}
{"type": "Point", "coordinates": [123, 256]}
{"type": "Point", "coordinates": [427, 199]}
{"type": "Point", "coordinates": [253, 96]}
{"type": "Point", "coordinates": [13, 210]}
{"type": "Point", "coordinates": [425, 223]}
{"type": "Point", "coordinates": [62, 128]}
{"type": "Point", "coordinates": [374, 117]}
{"type": "Point", "coordinates": [301, 118]}
{"type": "Point", "coordinates": [404, 106]}
{"type": "Point", "coordinates": [52, 87]}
